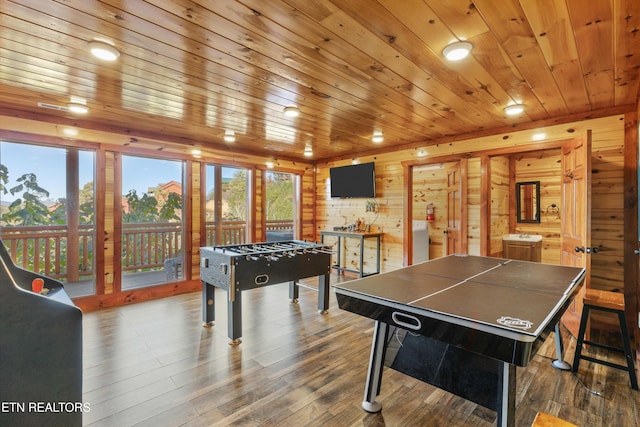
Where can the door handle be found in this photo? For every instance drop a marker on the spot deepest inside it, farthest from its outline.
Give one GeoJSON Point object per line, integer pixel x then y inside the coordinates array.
{"type": "Point", "coordinates": [588, 250]}
{"type": "Point", "coordinates": [637, 252]}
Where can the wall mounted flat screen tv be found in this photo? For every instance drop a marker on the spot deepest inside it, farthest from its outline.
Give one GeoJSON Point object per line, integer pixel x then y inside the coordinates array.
{"type": "Point", "coordinates": [353, 181]}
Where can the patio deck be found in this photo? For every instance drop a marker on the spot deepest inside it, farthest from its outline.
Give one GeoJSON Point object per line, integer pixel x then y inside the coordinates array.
{"type": "Point", "coordinates": [129, 281]}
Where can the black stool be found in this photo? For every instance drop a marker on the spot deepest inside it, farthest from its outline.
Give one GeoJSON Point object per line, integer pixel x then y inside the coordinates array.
{"type": "Point", "coordinates": [612, 302]}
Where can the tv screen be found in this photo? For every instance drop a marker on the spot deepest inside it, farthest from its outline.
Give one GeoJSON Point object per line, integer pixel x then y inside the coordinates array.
{"type": "Point", "coordinates": [353, 181]}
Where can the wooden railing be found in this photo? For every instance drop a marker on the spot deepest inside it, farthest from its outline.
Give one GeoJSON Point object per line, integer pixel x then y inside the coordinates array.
{"type": "Point", "coordinates": [235, 232]}
{"type": "Point", "coordinates": [43, 249]}
{"type": "Point", "coordinates": [145, 246]}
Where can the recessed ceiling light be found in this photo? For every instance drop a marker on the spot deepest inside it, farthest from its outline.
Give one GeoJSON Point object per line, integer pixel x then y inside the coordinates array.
{"type": "Point", "coordinates": [377, 137]}
{"type": "Point", "coordinates": [457, 51]}
{"type": "Point", "coordinates": [78, 108]}
{"type": "Point", "coordinates": [539, 136]}
{"type": "Point", "coordinates": [103, 50]}
{"type": "Point", "coordinates": [514, 110]}
{"type": "Point", "coordinates": [229, 136]}
{"type": "Point", "coordinates": [308, 151]}
{"type": "Point", "coordinates": [70, 131]}
{"type": "Point", "coordinates": [291, 111]}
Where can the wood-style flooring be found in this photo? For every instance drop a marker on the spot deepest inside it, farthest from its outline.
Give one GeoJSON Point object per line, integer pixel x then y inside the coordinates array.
{"type": "Point", "coordinates": [154, 364]}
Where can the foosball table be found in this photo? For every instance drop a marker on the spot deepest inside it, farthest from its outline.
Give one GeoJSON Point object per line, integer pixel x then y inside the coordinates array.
{"type": "Point", "coordinates": [236, 268]}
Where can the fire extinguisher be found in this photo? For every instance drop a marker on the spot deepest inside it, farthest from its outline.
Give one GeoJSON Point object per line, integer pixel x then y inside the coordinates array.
{"type": "Point", "coordinates": [430, 212]}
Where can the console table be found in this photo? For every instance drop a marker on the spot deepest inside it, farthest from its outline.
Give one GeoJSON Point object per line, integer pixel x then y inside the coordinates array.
{"type": "Point", "coordinates": [361, 236]}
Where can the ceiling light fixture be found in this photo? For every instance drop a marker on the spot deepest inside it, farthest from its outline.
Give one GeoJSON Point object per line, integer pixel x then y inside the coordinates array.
{"type": "Point", "coordinates": [377, 137]}
{"type": "Point", "coordinates": [514, 109]}
{"type": "Point", "coordinates": [78, 108]}
{"type": "Point", "coordinates": [229, 136]}
{"type": "Point", "coordinates": [457, 51]}
{"type": "Point", "coordinates": [70, 131]}
{"type": "Point", "coordinates": [539, 136]}
{"type": "Point", "coordinates": [291, 111]}
{"type": "Point", "coordinates": [308, 151]}
{"type": "Point", "coordinates": [103, 50]}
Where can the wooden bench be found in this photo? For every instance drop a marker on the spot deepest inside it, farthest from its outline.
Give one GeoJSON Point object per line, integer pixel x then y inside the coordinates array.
{"type": "Point", "coordinates": [612, 302]}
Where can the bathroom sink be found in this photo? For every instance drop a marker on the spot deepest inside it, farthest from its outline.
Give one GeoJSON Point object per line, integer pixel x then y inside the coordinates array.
{"type": "Point", "coordinates": [523, 237]}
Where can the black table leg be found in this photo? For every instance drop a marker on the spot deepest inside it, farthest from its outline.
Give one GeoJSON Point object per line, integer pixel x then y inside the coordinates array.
{"type": "Point", "coordinates": [376, 364]}
{"type": "Point", "coordinates": [294, 291]}
{"type": "Point", "coordinates": [234, 318]}
{"type": "Point", "coordinates": [208, 304]}
{"type": "Point", "coordinates": [506, 395]}
{"type": "Point", "coordinates": [323, 293]}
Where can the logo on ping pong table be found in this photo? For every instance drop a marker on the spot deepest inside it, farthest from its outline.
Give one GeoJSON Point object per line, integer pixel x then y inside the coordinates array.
{"type": "Point", "coordinates": [513, 322]}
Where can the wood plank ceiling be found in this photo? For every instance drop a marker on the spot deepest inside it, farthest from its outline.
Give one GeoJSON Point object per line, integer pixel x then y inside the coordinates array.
{"type": "Point", "coordinates": [191, 69]}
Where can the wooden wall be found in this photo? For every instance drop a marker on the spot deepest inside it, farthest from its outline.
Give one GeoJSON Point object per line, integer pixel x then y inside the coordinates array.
{"type": "Point", "coordinates": [500, 198]}
{"type": "Point", "coordinates": [607, 190]}
{"type": "Point", "coordinates": [543, 166]}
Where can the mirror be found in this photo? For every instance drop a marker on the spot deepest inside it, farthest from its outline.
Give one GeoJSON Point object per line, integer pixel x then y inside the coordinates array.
{"type": "Point", "coordinates": [528, 201]}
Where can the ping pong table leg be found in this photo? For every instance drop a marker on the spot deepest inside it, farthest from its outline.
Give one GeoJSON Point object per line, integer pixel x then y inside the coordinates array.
{"type": "Point", "coordinates": [560, 363]}
{"type": "Point", "coordinates": [376, 363]}
{"type": "Point", "coordinates": [506, 395]}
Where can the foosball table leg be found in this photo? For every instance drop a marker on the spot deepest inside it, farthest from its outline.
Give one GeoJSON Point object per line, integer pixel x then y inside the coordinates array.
{"type": "Point", "coordinates": [234, 319]}
{"type": "Point", "coordinates": [208, 305]}
{"type": "Point", "coordinates": [294, 291]}
{"type": "Point", "coordinates": [323, 293]}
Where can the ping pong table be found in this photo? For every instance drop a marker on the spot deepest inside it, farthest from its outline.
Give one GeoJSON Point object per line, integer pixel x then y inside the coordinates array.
{"type": "Point", "coordinates": [461, 323]}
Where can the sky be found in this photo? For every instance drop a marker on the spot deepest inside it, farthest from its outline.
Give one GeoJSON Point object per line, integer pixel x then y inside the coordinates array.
{"type": "Point", "coordinates": [48, 164]}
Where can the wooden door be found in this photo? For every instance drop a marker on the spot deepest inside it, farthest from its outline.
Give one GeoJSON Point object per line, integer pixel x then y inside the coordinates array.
{"type": "Point", "coordinates": [576, 218]}
{"type": "Point", "coordinates": [453, 236]}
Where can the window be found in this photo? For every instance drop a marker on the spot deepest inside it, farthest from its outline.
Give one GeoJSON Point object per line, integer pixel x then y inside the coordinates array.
{"type": "Point", "coordinates": [47, 212]}
{"type": "Point", "coordinates": [226, 206]}
{"type": "Point", "coordinates": [152, 221]}
{"type": "Point", "coordinates": [280, 207]}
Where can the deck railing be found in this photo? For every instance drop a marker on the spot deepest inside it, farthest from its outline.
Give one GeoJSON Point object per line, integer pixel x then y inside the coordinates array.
{"type": "Point", "coordinates": [43, 249]}
{"type": "Point", "coordinates": [145, 246]}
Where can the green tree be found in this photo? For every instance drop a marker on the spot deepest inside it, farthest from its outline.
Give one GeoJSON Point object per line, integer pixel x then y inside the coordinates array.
{"type": "Point", "coordinates": [279, 196]}
{"type": "Point", "coordinates": [148, 209]}
{"type": "Point", "coordinates": [87, 204]}
{"type": "Point", "coordinates": [28, 209]}
{"type": "Point", "coordinates": [140, 209]}
{"type": "Point", "coordinates": [4, 178]}
{"type": "Point", "coordinates": [171, 208]}
{"type": "Point", "coordinates": [234, 197]}
{"type": "Point", "coordinates": [59, 214]}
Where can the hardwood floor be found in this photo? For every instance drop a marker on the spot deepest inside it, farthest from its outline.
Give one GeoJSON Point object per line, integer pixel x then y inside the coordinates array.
{"type": "Point", "coordinates": [154, 364]}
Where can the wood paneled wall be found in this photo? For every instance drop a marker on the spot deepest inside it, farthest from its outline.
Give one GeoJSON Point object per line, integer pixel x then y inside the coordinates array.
{"type": "Point", "coordinates": [501, 196]}
{"type": "Point", "coordinates": [607, 198]}
{"type": "Point", "coordinates": [543, 166]}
